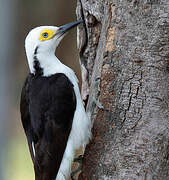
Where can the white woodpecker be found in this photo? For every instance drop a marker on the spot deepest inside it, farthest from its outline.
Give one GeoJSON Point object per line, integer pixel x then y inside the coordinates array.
{"type": "Point", "coordinates": [52, 111]}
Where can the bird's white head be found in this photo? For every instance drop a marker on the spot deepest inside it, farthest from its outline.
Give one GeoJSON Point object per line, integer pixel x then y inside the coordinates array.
{"type": "Point", "coordinates": [41, 42]}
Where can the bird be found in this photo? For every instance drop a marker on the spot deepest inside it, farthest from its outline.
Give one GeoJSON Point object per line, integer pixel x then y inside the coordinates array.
{"type": "Point", "coordinates": [52, 112]}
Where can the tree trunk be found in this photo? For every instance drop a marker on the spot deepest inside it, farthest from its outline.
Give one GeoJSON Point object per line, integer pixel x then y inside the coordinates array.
{"type": "Point", "coordinates": [124, 54]}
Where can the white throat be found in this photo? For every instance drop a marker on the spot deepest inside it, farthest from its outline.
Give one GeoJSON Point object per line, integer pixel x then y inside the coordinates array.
{"type": "Point", "coordinates": [48, 62]}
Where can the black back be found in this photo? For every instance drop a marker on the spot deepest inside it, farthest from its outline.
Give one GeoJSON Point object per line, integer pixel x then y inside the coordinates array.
{"type": "Point", "coordinates": [47, 110]}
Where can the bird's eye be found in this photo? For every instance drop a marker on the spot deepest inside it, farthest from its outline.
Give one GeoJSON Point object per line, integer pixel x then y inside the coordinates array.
{"type": "Point", "coordinates": [45, 34]}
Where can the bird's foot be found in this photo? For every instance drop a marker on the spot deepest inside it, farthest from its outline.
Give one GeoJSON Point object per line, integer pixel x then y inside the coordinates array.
{"type": "Point", "coordinates": [78, 160]}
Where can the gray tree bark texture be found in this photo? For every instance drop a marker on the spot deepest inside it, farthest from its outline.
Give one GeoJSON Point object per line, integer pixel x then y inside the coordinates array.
{"type": "Point", "coordinates": [124, 48]}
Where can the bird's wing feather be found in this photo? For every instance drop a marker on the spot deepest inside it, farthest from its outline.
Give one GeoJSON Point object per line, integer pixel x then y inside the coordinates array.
{"type": "Point", "coordinates": [25, 115]}
{"type": "Point", "coordinates": [47, 107]}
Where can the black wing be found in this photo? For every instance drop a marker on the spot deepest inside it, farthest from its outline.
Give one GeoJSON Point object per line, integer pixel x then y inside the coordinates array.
{"type": "Point", "coordinates": [47, 109]}
{"type": "Point", "coordinates": [25, 115]}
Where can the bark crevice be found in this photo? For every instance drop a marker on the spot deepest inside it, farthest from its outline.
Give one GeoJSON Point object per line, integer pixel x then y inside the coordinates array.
{"type": "Point", "coordinates": [129, 60]}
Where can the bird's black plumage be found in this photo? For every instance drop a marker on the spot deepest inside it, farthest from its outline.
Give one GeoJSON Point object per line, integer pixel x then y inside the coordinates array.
{"type": "Point", "coordinates": [47, 109]}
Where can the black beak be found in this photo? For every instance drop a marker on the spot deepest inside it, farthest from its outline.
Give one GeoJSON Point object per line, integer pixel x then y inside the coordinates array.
{"type": "Point", "coordinates": [63, 29]}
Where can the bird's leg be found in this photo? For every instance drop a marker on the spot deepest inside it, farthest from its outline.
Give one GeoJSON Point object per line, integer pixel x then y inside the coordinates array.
{"type": "Point", "coordinates": [78, 160]}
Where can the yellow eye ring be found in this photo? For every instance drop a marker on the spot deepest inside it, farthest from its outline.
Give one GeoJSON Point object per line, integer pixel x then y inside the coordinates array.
{"type": "Point", "coordinates": [46, 34]}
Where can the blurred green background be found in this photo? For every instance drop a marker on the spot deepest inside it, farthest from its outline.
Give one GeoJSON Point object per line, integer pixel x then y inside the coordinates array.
{"type": "Point", "coordinates": [17, 17]}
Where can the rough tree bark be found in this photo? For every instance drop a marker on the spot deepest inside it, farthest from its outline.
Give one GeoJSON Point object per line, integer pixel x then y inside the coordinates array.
{"type": "Point", "coordinates": [124, 47]}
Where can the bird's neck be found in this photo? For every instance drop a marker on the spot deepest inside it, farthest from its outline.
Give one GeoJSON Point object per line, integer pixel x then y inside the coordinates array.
{"type": "Point", "coordinates": [48, 64]}
{"type": "Point", "coordinates": [45, 64]}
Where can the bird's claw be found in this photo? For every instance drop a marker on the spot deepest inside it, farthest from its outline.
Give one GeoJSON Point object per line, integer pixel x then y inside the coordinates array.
{"type": "Point", "coordinates": [78, 169]}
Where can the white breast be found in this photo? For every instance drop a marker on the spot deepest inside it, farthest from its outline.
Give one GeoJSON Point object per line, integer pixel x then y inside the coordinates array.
{"type": "Point", "coordinates": [80, 132]}
{"type": "Point", "coordinates": [81, 127]}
